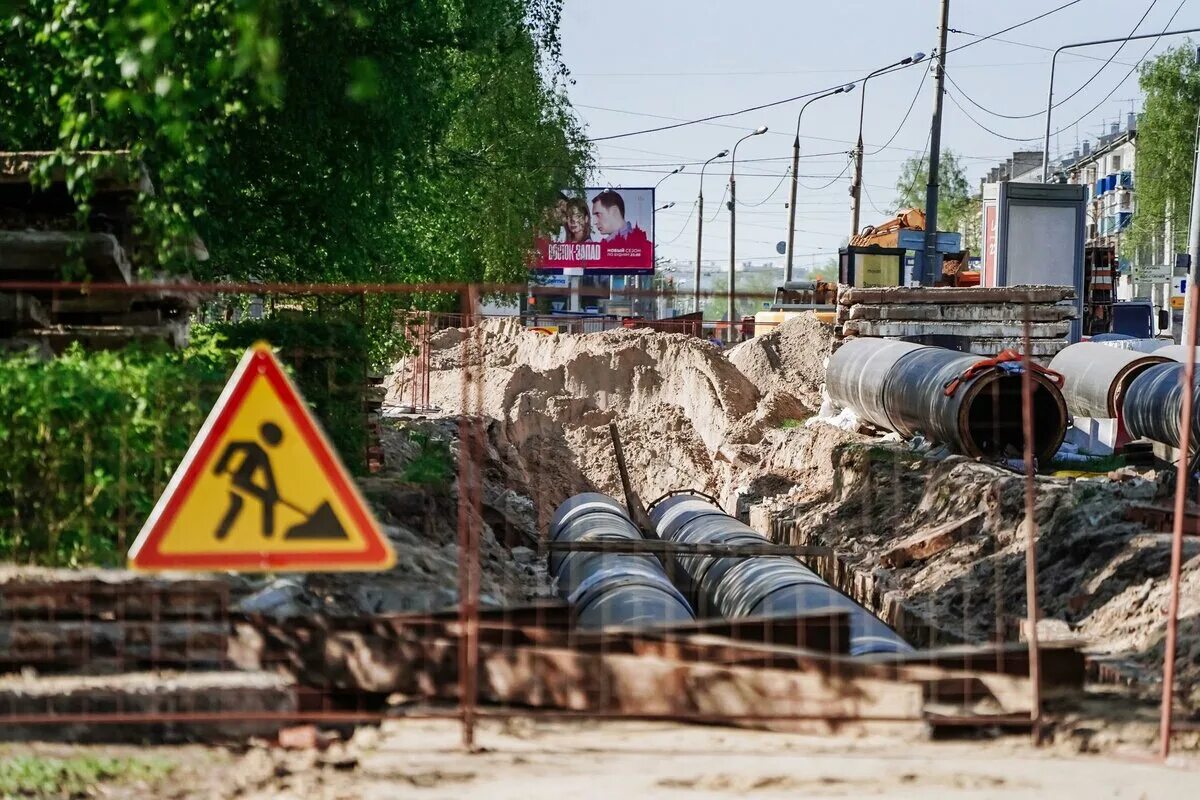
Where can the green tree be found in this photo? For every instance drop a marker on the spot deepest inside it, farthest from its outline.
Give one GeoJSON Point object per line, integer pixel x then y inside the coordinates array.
{"type": "Point", "coordinates": [310, 140]}
{"type": "Point", "coordinates": [1165, 140]}
{"type": "Point", "coordinates": [954, 191]}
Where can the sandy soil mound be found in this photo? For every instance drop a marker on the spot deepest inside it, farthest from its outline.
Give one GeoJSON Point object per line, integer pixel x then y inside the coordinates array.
{"type": "Point", "coordinates": [789, 360]}
{"type": "Point", "coordinates": [682, 409]}
{"type": "Point", "coordinates": [1100, 576]}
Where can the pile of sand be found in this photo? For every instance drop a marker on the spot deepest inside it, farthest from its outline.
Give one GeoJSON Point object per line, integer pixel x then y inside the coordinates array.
{"type": "Point", "coordinates": [789, 360]}
{"type": "Point", "coordinates": [683, 410]}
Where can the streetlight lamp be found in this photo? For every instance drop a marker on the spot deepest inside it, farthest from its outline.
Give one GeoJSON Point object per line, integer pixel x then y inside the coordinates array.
{"type": "Point", "coordinates": [856, 188]}
{"type": "Point", "coordinates": [791, 239]}
{"type": "Point", "coordinates": [1050, 91]}
{"type": "Point", "coordinates": [700, 229]}
{"type": "Point", "coordinates": [666, 206]}
{"type": "Point", "coordinates": [733, 218]}
{"type": "Point", "coordinates": [675, 171]}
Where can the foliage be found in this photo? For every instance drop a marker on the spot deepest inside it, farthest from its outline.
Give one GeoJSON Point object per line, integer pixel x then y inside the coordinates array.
{"type": "Point", "coordinates": [955, 208]}
{"type": "Point", "coordinates": [91, 439]}
{"type": "Point", "coordinates": [310, 140]}
{"type": "Point", "coordinates": [432, 465]}
{"type": "Point", "coordinates": [1166, 139]}
{"type": "Point", "coordinates": [77, 776]}
{"type": "Point", "coordinates": [328, 358]}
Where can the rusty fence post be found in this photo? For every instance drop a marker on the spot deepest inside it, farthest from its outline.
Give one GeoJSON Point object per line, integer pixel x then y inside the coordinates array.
{"type": "Point", "coordinates": [1031, 596]}
{"type": "Point", "coordinates": [470, 454]}
{"type": "Point", "coordinates": [1181, 488]}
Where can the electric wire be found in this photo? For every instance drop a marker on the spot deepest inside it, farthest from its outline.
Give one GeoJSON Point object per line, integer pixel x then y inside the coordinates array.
{"type": "Point", "coordinates": [773, 103]}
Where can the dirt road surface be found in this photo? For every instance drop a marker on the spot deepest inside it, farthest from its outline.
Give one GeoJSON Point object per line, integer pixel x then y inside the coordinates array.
{"type": "Point", "coordinates": [527, 760]}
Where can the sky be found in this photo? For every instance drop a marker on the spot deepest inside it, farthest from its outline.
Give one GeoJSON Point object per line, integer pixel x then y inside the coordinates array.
{"type": "Point", "coordinates": [637, 65]}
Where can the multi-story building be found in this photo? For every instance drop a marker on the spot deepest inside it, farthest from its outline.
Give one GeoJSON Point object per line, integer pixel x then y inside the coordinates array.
{"type": "Point", "coordinates": [1108, 172]}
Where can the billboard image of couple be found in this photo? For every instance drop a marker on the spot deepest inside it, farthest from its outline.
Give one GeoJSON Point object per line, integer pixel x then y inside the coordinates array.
{"type": "Point", "coordinates": [602, 231]}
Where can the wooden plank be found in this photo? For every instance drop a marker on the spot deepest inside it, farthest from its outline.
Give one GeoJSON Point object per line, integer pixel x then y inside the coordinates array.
{"type": "Point", "coordinates": [66, 645]}
{"type": "Point", "coordinates": [129, 707]}
{"type": "Point", "coordinates": [564, 679]}
{"type": "Point", "coordinates": [30, 593]}
{"type": "Point", "coordinates": [926, 543]}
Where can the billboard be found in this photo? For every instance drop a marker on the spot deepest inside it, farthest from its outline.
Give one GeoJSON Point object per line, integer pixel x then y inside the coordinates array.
{"type": "Point", "coordinates": [601, 232]}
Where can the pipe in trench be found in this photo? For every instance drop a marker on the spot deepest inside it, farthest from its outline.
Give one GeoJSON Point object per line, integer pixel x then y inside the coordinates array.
{"type": "Point", "coordinates": [901, 387]}
{"type": "Point", "coordinates": [610, 588]}
{"type": "Point", "coordinates": [1153, 404]}
{"type": "Point", "coordinates": [1096, 376]}
{"type": "Point", "coordinates": [734, 588]}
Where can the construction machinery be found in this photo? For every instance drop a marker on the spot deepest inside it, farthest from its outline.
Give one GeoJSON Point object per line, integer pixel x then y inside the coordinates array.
{"type": "Point", "coordinates": [798, 297]}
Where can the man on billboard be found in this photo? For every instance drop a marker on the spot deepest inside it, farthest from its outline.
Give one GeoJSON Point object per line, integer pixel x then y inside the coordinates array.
{"type": "Point", "coordinates": [608, 211]}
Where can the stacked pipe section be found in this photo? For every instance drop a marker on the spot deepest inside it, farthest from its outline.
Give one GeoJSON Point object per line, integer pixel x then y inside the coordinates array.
{"type": "Point", "coordinates": [1153, 404]}
{"type": "Point", "coordinates": [968, 402]}
{"type": "Point", "coordinates": [738, 587]}
{"type": "Point", "coordinates": [1096, 376]}
{"type": "Point", "coordinates": [610, 588]}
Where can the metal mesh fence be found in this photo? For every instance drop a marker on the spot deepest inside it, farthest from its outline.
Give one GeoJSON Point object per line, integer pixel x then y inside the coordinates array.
{"type": "Point", "coordinates": [96, 437]}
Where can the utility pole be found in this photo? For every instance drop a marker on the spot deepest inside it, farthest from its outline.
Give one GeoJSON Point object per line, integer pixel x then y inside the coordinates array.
{"type": "Point", "coordinates": [932, 261]}
{"type": "Point", "coordinates": [791, 236]}
{"type": "Point", "coordinates": [732, 311]}
{"type": "Point", "coordinates": [1193, 228]}
{"type": "Point", "coordinates": [700, 229]}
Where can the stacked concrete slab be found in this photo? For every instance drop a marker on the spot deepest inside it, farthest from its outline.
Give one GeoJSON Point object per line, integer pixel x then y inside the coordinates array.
{"type": "Point", "coordinates": [990, 319]}
{"type": "Point", "coordinates": [43, 239]}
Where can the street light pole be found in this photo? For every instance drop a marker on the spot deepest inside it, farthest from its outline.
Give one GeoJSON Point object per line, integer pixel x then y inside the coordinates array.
{"type": "Point", "coordinates": [791, 239]}
{"type": "Point", "coordinates": [733, 221]}
{"type": "Point", "coordinates": [675, 171]}
{"type": "Point", "coordinates": [700, 230]}
{"type": "Point", "coordinates": [1050, 90]}
{"type": "Point", "coordinates": [856, 187]}
{"type": "Point", "coordinates": [932, 266]}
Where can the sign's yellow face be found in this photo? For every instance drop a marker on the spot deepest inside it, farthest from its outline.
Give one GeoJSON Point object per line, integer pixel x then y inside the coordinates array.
{"type": "Point", "coordinates": [261, 489]}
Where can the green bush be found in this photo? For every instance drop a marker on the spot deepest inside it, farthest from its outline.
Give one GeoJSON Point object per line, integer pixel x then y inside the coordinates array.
{"type": "Point", "coordinates": [89, 440]}
{"type": "Point", "coordinates": [328, 359]}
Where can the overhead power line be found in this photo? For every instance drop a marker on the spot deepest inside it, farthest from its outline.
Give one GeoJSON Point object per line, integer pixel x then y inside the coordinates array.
{"type": "Point", "coordinates": [1153, 43]}
{"type": "Point", "coordinates": [773, 103]}
{"type": "Point", "coordinates": [1081, 87]}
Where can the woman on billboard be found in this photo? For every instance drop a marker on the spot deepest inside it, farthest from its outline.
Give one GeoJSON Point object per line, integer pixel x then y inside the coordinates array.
{"type": "Point", "coordinates": [578, 223]}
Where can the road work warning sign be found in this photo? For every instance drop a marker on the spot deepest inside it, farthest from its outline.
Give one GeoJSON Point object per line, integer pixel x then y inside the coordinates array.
{"type": "Point", "coordinates": [260, 490]}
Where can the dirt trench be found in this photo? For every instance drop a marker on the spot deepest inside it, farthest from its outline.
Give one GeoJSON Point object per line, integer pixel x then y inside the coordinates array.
{"type": "Point", "coordinates": [691, 418]}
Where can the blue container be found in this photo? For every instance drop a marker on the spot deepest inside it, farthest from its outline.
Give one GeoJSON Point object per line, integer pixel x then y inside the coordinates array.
{"type": "Point", "coordinates": [1099, 187]}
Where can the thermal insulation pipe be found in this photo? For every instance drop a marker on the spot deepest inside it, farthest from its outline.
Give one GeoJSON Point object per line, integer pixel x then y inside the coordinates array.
{"type": "Point", "coordinates": [904, 388]}
{"type": "Point", "coordinates": [1153, 404]}
{"type": "Point", "coordinates": [1176, 352]}
{"type": "Point", "coordinates": [610, 588]}
{"type": "Point", "coordinates": [734, 588]}
{"type": "Point", "coordinates": [1095, 376]}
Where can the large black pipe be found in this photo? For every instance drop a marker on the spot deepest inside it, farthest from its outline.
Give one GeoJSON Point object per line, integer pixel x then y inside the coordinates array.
{"type": "Point", "coordinates": [1153, 404]}
{"type": "Point", "coordinates": [610, 588]}
{"type": "Point", "coordinates": [903, 387]}
{"type": "Point", "coordinates": [759, 585]}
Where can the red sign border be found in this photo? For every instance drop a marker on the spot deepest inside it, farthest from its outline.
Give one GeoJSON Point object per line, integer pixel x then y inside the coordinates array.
{"type": "Point", "coordinates": [258, 362]}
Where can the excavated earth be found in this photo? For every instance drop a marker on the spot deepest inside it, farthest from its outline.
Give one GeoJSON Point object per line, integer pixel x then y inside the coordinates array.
{"type": "Point", "coordinates": [741, 426]}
